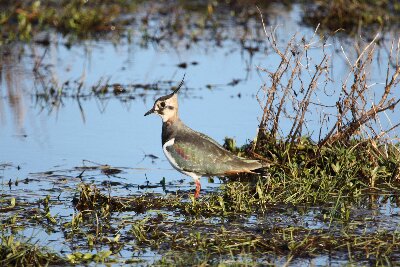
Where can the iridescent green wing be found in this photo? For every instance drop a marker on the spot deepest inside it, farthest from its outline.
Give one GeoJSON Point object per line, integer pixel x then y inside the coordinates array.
{"type": "Point", "coordinates": [201, 155]}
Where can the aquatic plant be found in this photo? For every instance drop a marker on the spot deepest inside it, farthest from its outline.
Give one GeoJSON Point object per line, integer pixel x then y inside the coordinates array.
{"type": "Point", "coordinates": [17, 251]}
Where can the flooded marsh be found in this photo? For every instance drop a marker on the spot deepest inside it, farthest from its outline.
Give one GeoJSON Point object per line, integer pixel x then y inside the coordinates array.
{"type": "Point", "coordinates": [83, 177]}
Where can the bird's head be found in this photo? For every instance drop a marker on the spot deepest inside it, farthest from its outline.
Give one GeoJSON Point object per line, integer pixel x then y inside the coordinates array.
{"type": "Point", "coordinates": [167, 106]}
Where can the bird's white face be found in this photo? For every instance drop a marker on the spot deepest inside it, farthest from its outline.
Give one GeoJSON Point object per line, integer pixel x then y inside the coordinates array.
{"type": "Point", "coordinates": [166, 107]}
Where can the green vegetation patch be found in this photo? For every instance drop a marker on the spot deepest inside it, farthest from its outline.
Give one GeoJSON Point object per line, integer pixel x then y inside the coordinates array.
{"type": "Point", "coordinates": [16, 252]}
{"type": "Point", "coordinates": [353, 15]}
{"type": "Point", "coordinates": [24, 19]}
{"type": "Point", "coordinates": [193, 20]}
{"type": "Point", "coordinates": [237, 221]}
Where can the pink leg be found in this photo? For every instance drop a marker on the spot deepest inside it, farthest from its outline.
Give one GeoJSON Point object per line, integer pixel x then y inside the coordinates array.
{"type": "Point", "coordinates": [198, 187]}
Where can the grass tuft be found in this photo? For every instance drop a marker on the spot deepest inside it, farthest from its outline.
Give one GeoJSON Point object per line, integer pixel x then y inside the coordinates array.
{"type": "Point", "coordinates": [14, 252]}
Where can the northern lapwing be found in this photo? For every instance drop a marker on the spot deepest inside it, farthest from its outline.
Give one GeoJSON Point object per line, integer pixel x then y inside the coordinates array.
{"type": "Point", "coordinates": [193, 153]}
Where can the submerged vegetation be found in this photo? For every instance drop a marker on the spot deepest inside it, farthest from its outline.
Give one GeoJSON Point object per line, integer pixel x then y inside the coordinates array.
{"type": "Point", "coordinates": [324, 193]}
{"type": "Point", "coordinates": [242, 222]}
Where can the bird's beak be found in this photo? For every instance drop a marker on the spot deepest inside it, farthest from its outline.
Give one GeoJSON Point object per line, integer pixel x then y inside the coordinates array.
{"type": "Point", "coordinates": [150, 111]}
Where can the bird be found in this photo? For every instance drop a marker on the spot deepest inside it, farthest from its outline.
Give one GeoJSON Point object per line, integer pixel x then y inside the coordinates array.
{"type": "Point", "coordinates": [193, 153]}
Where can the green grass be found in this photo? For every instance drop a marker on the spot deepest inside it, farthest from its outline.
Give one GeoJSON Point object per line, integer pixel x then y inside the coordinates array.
{"type": "Point", "coordinates": [23, 20]}
{"type": "Point", "coordinates": [20, 252]}
{"type": "Point", "coordinates": [248, 221]}
{"type": "Point", "coordinates": [352, 15]}
{"type": "Point", "coordinates": [212, 229]}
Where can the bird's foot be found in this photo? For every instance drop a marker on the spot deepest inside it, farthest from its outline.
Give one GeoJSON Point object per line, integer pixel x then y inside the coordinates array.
{"type": "Point", "coordinates": [198, 187]}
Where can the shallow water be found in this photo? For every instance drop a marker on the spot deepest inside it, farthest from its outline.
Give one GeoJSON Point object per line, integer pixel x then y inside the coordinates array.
{"type": "Point", "coordinates": [61, 186]}
{"type": "Point", "coordinates": [92, 130]}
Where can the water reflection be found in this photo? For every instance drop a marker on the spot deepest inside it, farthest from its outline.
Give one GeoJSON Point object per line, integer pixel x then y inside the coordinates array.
{"type": "Point", "coordinates": [12, 77]}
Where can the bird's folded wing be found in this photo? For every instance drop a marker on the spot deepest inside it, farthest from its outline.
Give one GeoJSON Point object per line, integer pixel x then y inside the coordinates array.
{"type": "Point", "coordinates": [200, 155]}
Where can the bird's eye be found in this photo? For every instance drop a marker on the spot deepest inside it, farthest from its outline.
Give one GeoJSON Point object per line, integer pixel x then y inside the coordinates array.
{"type": "Point", "coordinates": [162, 104]}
